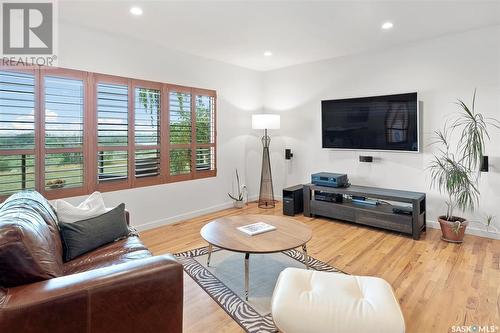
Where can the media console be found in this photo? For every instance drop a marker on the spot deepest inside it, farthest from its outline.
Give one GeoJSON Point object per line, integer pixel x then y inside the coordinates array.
{"type": "Point", "coordinates": [381, 215]}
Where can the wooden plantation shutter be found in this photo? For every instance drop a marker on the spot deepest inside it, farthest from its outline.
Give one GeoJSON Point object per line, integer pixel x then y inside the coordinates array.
{"type": "Point", "coordinates": [181, 133]}
{"type": "Point", "coordinates": [18, 107]}
{"type": "Point", "coordinates": [147, 129]}
{"type": "Point", "coordinates": [114, 121]}
{"type": "Point", "coordinates": [63, 111]}
{"type": "Point", "coordinates": [66, 132]}
{"type": "Point", "coordinates": [205, 133]}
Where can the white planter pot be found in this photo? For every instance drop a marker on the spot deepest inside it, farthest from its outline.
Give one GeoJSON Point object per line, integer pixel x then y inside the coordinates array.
{"type": "Point", "coordinates": [238, 204]}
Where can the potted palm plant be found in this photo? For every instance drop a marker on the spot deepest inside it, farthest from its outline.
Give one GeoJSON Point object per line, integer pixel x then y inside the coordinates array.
{"type": "Point", "coordinates": [455, 168]}
{"type": "Point", "coordinates": [239, 196]}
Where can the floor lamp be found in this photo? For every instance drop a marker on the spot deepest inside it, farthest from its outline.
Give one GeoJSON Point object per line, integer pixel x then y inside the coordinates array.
{"type": "Point", "coordinates": [266, 122]}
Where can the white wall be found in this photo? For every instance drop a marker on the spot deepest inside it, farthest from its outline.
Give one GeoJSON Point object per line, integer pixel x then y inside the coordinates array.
{"type": "Point", "coordinates": [440, 70]}
{"type": "Point", "coordinates": [239, 95]}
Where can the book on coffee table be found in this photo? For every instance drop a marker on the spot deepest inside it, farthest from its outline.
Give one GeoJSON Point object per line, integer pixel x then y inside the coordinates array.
{"type": "Point", "coordinates": [256, 228]}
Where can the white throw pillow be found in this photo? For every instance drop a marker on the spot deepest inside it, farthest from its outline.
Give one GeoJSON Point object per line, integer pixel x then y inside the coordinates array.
{"type": "Point", "coordinates": [91, 207]}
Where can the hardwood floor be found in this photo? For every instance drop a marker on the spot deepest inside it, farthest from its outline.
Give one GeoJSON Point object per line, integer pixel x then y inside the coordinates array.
{"type": "Point", "coordinates": [438, 284]}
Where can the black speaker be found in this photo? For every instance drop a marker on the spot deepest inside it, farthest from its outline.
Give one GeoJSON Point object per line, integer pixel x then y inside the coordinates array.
{"type": "Point", "coordinates": [485, 164]}
{"type": "Point", "coordinates": [288, 154]}
{"type": "Point", "coordinates": [293, 200]}
{"type": "Point", "coordinates": [367, 159]}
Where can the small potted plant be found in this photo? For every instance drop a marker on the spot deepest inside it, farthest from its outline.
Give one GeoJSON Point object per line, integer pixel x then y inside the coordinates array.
{"type": "Point", "coordinates": [455, 169]}
{"type": "Point", "coordinates": [489, 221]}
{"type": "Point", "coordinates": [240, 195]}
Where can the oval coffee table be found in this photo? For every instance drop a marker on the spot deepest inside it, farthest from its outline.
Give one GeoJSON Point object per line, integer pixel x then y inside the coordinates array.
{"type": "Point", "coordinates": [223, 233]}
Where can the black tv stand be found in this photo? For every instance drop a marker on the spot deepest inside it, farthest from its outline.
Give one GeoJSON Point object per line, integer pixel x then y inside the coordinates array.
{"type": "Point", "coordinates": [381, 216]}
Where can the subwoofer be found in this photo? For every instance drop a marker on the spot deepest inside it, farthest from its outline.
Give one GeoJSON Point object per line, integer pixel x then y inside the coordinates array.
{"type": "Point", "coordinates": [293, 200]}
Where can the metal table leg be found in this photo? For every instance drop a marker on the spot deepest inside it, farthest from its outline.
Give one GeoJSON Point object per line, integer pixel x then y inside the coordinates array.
{"type": "Point", "coordinates": [306, 257]}
{"type": "Point", "coordinates": [209, 254]}
{"type": "Point", "coordinates": [247, 256]}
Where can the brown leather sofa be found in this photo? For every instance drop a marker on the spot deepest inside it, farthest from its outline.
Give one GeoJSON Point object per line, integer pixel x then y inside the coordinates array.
{"type": "Point", "coordinates": [119, 287]}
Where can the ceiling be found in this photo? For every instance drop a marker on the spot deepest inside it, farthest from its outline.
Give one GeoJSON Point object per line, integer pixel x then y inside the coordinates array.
{"type": "Point", "coordinates": [238, 32]}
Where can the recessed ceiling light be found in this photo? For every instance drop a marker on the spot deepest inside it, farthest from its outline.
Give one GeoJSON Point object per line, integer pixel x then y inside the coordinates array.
{"type": "Point", "coordinates": [268, 53]}
{"type": "Point", "coordinates": [387, 25]}
{"type": "Point", "coordinates": [136, 10]}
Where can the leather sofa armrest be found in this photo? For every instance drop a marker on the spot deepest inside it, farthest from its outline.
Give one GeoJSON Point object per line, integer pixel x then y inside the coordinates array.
{"type": "Point", "coordinates": [143, 295]}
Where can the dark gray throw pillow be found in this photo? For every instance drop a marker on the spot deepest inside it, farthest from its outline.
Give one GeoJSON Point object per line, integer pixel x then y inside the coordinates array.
{"type": "Point", "coordinates": [86, 235]}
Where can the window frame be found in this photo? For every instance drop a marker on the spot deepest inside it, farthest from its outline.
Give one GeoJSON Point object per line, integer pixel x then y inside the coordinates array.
{"type": "Point", "coordinates": [43, 151]}
{"type": "Point", "coordinates": [190, 175]}
{"type": "Point", "coordinates": [160, 178]}
{"type": "Point", "coordinates": [90, 146]}
{"type": "Point", "coordinates": [36, 118]}
{"type": "Point", "coordinates": [113, 185]}
{"type": "Point", "coordinates": [205, 173]}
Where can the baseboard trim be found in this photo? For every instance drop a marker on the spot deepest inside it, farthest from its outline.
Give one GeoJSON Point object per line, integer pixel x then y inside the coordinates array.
{"type": "Point", "coordinates": [181, 217]}
{"type": "Point", "coordinates": [471, 230]}
{"type": "Point", "coordinates": [187, 216]}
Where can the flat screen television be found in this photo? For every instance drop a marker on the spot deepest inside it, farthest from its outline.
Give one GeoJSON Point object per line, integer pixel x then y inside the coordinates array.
{"type": "Point", "coordinates": [387, 122]}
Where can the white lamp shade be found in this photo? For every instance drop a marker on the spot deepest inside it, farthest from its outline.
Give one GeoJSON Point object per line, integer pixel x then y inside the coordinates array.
{"type": "Point", "coordinates": [266, 121]}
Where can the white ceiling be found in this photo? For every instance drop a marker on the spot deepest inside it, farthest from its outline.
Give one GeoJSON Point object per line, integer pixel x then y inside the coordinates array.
{"type": "Point", "coordinates": [238, 32]}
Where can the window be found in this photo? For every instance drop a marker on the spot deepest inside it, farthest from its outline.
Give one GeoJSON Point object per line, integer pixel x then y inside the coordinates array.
{"type": "Point", "coordinates": [63, 112]}
{"type": "Point", "coordinates": [180, 132]}
{"type": "Point", "coordinates": [66, 132]}
{"type": "Point", "coordinates": [112, 132]}
{"type": "Point", "coordinates": [205, 132]}
{"type": "Point", "coordinates": [147, 125]}
{"type": "Point", "coordinates": [192, 132]}
{"type": "Point", "coordinates": [17, 131]}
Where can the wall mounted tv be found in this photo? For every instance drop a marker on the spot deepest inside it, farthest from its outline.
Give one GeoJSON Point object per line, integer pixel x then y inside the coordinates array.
{"type": "Point", "coordinates": [374, 123]}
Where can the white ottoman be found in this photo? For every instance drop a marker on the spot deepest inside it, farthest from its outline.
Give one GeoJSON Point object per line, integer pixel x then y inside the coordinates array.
{"type": "Point", "coordinates": [322, 302]}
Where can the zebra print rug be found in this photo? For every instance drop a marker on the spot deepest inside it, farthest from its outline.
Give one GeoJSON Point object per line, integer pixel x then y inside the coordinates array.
{"type": "Point", "coordinates": [241, 311]}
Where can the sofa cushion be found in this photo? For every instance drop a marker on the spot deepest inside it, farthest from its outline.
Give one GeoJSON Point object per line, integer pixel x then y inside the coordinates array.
{"type": "Point", "coordinates": [83, 236]}
{"type": "Point", "coordinates": [30, 245]}
{"type": "Point", "coordinates": [117, 252]}
{"type": "Point", "coordinates": [92, 206]}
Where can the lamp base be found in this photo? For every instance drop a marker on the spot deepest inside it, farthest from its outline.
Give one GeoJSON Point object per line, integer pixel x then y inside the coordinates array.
{"type": "Point", "coordinates": [267, 204]}
{"type": "Point", "coordinates": [266, 194]}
